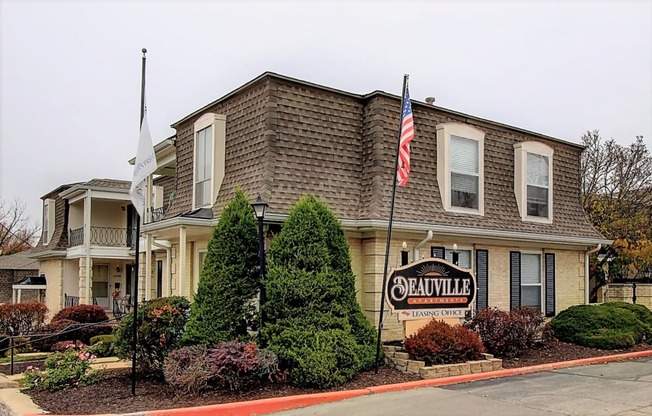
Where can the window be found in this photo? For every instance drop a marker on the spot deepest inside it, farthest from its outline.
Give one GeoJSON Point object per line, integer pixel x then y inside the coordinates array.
{"type": "Point", "coordinates": [203, 166]}
{"type": "Point", "coordinates": [208, 158]}
{"type": "Point", "coordinates": [464, 172]}
{"type": "Point", "coordinates": [533, 181]}
{"type": "Point", "coordinates": [460, 167]}
{"type": "Point", "coordinates": [532, 275]}
{"type": "Point", "coordinates": [48, 220]}
{"type": "Point", "coordinates": [463, 260]}
{"type": "Point", "coordinates": [531, 293]}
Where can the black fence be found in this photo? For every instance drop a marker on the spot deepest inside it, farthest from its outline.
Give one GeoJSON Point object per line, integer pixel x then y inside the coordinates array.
{"type": "Point", "coordinates": [74, 300]}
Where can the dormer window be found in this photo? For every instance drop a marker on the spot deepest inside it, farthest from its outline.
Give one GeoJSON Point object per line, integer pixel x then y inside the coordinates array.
{"type": "Point", "coordinates": [48, 220]}
{"type": "Point", "coordinates": [533, 181]}
{"type": "Point", "coordinates": [208, 158]}
{"type": "Point", "coordinates": [460, 167]}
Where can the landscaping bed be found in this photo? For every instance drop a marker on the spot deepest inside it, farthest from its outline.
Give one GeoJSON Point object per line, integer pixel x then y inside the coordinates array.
{"type": "Point", "coordinates": [113, 393]}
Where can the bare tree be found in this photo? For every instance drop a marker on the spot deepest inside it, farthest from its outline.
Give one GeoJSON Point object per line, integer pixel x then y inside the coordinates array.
{"type": "Point", "coordinates": [16, 234]}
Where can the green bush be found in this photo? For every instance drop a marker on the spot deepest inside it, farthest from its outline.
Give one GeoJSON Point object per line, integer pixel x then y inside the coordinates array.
{"type": "Point", "coordinates": [318, 358]}
{"type": "Point", "coordinates": [102, 346]}
{"type": "Point", "coordinates": [70, 368]}
{"type": "Point", "coordinates": [642, 313]}
{"type": "Point", "coordinates": [160, 327]}
{"type": "Point", "coordinates": [310, 289]}
{"type": "Point", "coordinates": [223, 308]}
{"type": "Point", "coordinates": [441, 343]}
{"type": "Point", "coordinates": [598, 326]}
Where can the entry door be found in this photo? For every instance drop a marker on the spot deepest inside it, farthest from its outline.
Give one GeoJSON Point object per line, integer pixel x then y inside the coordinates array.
{"type": "Point", "coordinates": [159, 278]}
{"type": "Point", "coordinates": [101, 285]}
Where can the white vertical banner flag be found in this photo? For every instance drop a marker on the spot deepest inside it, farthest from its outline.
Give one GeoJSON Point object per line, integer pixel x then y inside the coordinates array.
{"type": "Point", "coordinates": [145, 165]}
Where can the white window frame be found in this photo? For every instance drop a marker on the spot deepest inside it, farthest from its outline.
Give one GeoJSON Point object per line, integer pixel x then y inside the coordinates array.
{"type": "Point", "coordinates": [541, 279]}
{"type": "Point", "coordinates": [520, 178]}
{"type": "Point", "coordinates": [444, 133]}
{"type": "Point", "coordinates": [218, 124]}
{"type": "Point", "coordinates": [48, 220]}
{"type": "Point", "coordinates": [449, 249]}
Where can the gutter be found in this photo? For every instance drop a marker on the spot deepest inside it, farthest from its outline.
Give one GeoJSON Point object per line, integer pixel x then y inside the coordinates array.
{"type": "Point", "coordinates": [415, 254]}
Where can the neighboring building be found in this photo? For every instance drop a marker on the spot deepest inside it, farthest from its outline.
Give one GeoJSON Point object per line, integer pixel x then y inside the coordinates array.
{"type": "Point", "coordinates": [509, 198]}
{"type": "Point", "coordinates": [13, 268]}
{"type": "Point", "coordinates": [88, 232]}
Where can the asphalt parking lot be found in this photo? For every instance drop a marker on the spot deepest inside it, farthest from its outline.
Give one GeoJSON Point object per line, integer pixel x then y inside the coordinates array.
{"type": "Point", "coordinates": [622, 389]}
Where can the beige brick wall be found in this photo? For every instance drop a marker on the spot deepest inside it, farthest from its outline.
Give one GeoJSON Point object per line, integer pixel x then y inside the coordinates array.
{"type": "Point", "coordinates": [569, 268]}
{"type": "Point", "coordinates": [53, 271]}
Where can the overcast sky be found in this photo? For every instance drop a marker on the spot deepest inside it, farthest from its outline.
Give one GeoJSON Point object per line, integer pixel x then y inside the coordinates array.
{"type": "Point", "coordinates": [70, 71]}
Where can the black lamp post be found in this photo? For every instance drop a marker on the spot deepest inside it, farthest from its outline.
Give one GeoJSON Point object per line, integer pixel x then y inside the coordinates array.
{"type": "Point", "coordinates": [404, 254]}
{"type": "Point", "coordinates": [259, 206]}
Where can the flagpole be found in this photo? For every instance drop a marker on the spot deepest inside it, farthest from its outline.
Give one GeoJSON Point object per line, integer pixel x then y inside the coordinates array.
{"type": "Point", "coordinates": [136, 263]}
{"type": "Point", "coordinates": [389, 228]}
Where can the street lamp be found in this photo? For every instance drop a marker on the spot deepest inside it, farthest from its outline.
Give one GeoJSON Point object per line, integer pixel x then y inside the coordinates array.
{"type": "Point", "coordinates": [404, 254]}
{"type": "Point", "coordinates": [259, 206]}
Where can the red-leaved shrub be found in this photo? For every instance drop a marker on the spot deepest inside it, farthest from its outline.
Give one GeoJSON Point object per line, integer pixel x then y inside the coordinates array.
{"type": "Point", "coordinates": [68, 345]}
{"type": "Point", "coordinates": [508, 334]}
{"type": "Point", "coordinates": [21, 318]}
{"type": "Point", "coordinates": [232, 362]}
{"type": "Point", "coordinates": [440, 343]}
{"type": "Point", "coordinates": [82, 313]}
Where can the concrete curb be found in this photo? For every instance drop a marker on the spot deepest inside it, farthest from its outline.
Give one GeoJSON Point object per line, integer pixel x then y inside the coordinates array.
{"type": "Point", "coordinates": [277, 404]}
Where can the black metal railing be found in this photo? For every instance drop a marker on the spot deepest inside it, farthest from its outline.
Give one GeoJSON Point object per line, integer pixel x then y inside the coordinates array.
{"type": "Point", "coordinates": [74, 300]}
{"type": "Point", "coordinates": [121, 306]}
{"type": "Point", "coordinates": [104, 236]}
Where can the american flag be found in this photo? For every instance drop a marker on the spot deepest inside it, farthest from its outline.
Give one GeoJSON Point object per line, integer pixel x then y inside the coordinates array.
{"type": "Point", "coordinates": [407, 134]}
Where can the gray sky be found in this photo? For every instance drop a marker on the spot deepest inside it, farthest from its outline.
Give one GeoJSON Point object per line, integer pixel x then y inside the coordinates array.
{"type": "Point", "coordinates": [70, 71]}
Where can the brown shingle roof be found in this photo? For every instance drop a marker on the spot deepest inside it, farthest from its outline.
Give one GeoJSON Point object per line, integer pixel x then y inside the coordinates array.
{"type": "Point", "coordinates": [287, 137]}
{"type": "Point", "coordinates": [107, 183]}
{"type": "Point", "coordinates": [18, 261]}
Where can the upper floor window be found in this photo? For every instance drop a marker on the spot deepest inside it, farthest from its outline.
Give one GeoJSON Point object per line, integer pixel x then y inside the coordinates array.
{"type": "Point", "coordinates": [460, 167]}
{"type": "Point", "coordinates": [533, 181]}
{"type": "Point", "coordinates": [208, 158]}
{"type": "Point", "coordinates": [203, 166]}
{"type": "Point", "coordinates": [48, 220]}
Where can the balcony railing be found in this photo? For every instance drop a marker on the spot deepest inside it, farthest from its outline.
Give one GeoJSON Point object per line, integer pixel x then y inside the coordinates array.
{"type": "Point", "coordinates": [104, 236]}
{"type": "Point", "coordinates": [157, 213]}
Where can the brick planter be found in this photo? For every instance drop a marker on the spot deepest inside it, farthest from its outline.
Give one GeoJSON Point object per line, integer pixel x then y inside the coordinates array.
{"type": "Point", "coordinates": [401, 361]}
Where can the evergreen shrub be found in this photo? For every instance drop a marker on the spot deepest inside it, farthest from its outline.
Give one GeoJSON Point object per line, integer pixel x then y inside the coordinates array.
{"type": "Point", "coordinates": [599, 326]}
{"type": "Point", "coordinates": [160, 325]}
{"type": "Point", "coordinates": [223, 308]}
{"type": "Point", "coordinates": [312, 320]}
{"type": "Point", "coordinates": [441, 343]}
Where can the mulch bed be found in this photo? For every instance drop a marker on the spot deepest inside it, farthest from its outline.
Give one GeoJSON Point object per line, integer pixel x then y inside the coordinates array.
{"type": "Point", "coordinates": [113, 393]}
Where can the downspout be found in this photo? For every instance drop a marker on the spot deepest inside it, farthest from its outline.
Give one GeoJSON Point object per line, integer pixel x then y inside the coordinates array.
{"type": "Point", "coordinates": [87, 235]}
{"type": "Point", "coordinates": [415, 254]}
{"type": "Point", "coordinates": [168, 264]}
{"type": "Point", "coordinates": [586, 272]}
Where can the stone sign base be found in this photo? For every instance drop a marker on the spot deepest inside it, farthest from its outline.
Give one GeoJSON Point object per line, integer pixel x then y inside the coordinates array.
{"type": "Point", "coordinates": [401, 361]}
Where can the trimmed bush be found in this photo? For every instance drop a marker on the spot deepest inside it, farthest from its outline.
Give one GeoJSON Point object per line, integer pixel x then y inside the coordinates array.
{"type": "Point", "coordinates": [63, 369]}
{"type": "Point", "coordinates": [160, 326]}
{"type": "Point", "coordinates": [508, 334]}
{"type": "Point", "coordinates": [642, 313]}
{"type": "Point", "coordinates": [62, 346]}
{"type": "Point", "coordinates": [102, 346]}
{"type": "Point", "coordinates": [599, 326]}
{"type": "Point", "coordinates": [85, 314]}
{"type": "Point", "coordinates": [102, 338]}
{"type": "Point", "coordinates": [187, 369]}
{"type": "Point", "coordinates": [223, 308]}
{"type": "Point", "coordinates": [22, 318]}
{"type": "Point", "coordinates": [440, 343]}
{"type": "Point", "coordinates": [310, 291]}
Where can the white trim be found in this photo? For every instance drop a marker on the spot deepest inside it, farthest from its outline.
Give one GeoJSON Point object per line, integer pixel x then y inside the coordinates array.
{"type": "Point", "coordinates": [520, 178]}
{"type": "Point", "coordinates": [444, 133]}
{"type": "Point", "coordinates": [218, 124]}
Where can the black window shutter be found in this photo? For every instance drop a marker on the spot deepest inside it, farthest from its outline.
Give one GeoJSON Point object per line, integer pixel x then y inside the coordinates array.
{"type": "Point", "coordinates": [514, 279]}
{"type": "Point", "coordinates": [550, 284]}
{"type": "Point", "coordinates": [482, 262]}
{"type": "Point", "coordinates": [438, 252]}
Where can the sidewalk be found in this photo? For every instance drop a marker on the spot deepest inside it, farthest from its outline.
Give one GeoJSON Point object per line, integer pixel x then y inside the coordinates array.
{"type": "Point", "coordinates": [20, 404]}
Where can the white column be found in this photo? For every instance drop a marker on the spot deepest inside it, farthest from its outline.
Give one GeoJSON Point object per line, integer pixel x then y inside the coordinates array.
{"type": "Point", "coordinates": [20, 292]}
{"type": "Point", "coordinates": [148, 266]}
{"type": "Point", "coordinates": [182, 258]}
{"type": "Point", "coordinates": [13, 295]}
{"type": "Point", "coordinates": [87, 240]}
{"type": "Point", "coordinates": [148, 199]}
